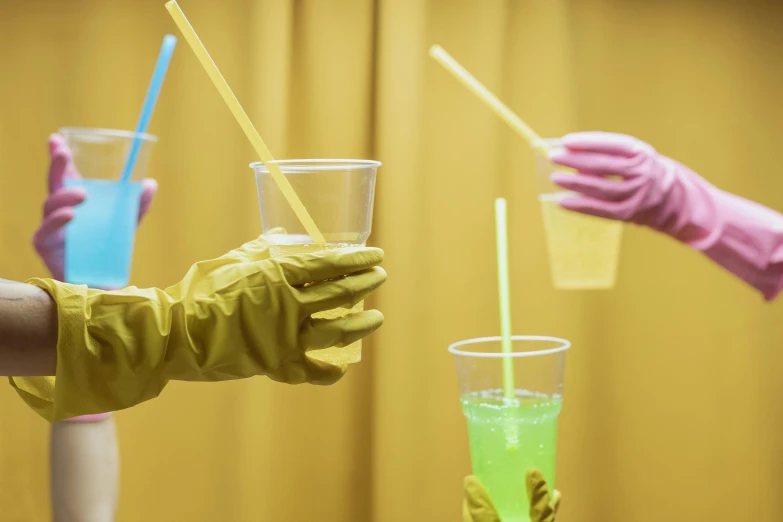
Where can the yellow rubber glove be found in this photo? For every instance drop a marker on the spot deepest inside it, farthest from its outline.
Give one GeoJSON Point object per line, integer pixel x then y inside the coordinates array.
{"type": "Point", "coordinates": [477, 506]}
{"type": "Point", "coordinates": [237, 316]}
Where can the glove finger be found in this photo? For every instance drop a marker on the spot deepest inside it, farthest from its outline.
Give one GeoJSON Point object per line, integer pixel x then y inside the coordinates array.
{"type": "Point", "coordinates": [323, 373]}
{"type": "Point", "coordinates": [61, 166]}
{"type": "Point", "coordinates": [556, 497]}
{"type": "Point", "coordinates": [148, 191]}
{"type": "Point", "coordinates": [301, 269]}
{"type": "Point", "coordinates": [541, 509]}
{"type": "Point", "coordinates": [592, 207]}
{"type": "Point", "coordinates": [597, 186]}
{"type": "Point", "coordinates": [56, 162]}
{"type": "Point", "coordinates": [64, 197]}
{"type": "Point", "coordinates": [346, 291]}
{"type": "Point", "coordinates": [55, 142]}
{"type": "Point", "coordinates": [605, 143]}
{"type": "Point", "coordinates": [479, 505]}
{"type": "Point", "coordinates": [342, 331]}
{"type": "Point", "coordinates": [466, 516]}
{"type": "Point", "coordinates": [602, 164]}
{"type": "Point", "coordinates": [47, 233]}
{"type": "Point", "coordinates": [277, 231]}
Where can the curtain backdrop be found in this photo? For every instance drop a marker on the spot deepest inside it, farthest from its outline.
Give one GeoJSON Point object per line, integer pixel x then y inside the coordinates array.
{"type": "Point", "coordinates": [673, 399]}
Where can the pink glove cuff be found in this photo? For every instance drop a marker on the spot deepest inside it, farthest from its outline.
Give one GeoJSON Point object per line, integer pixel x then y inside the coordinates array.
{"type": "Point", "coordinates": [90, 418]}
{"type": "Point", "coordinates": [748, 241]}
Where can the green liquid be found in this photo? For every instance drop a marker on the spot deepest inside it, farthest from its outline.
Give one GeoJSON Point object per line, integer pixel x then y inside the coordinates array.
{"type": "Point", "coordinates": [508, 438]}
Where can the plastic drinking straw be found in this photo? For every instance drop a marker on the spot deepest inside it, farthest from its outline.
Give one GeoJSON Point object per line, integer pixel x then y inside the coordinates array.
{"type": "Point", "coordinates": [505, 304]}
{"type": "Point", "coordinates": [247, 126]}
{"type": "Point", "coordinates": [477, 88]}
{"type": "Point", "coordinates": [164, 57]}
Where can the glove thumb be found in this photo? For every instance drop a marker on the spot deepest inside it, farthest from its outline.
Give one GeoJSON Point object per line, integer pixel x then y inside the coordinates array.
{"type": "Point", "coordinates": [255, 250]}
{"type": "Point", "coordinates": [543, 507]}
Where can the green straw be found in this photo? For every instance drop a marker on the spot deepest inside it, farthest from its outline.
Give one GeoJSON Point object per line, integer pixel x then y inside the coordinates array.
{"type": "Point", "coordinates": [505, 304]}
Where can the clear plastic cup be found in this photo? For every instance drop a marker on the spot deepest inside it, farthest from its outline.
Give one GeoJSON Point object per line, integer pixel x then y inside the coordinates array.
{"type": "Point", "coordinates": [339, 195]}
{"type": "Point", "coordinates": [99, 240]}
{"type": "Point", "coordinates": [510, 436]}
{"type": "Point", "coordinates": [583, 250]}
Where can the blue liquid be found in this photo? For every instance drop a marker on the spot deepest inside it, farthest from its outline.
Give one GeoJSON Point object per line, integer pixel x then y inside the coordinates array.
{"type": "Point", "coordinates": [99, 240]}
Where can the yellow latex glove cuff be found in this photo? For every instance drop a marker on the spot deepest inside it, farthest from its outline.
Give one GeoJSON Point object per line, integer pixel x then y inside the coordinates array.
{"type": "Point", "coordinates": [237, 316]}
{"type": "Point", "coordinates": [477, 506]}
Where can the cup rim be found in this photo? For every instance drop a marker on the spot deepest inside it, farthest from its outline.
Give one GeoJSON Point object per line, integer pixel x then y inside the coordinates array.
{"type": "Point", "coordinates": [320, 164]}
{"type": "Point", "coordinates": [115, 133]}
{"type": "Point", "coordinates": [564, 345]}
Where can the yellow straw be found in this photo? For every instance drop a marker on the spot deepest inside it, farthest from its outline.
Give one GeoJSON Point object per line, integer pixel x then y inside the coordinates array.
{"type": "Point", "coordinates": [501, 234]}
{"type": "Point", "coordinates": [475, 86]}
{"type": "Point", "coordinates": [503, 293]}
{"type": "Point", "coordinates": [250, 131]}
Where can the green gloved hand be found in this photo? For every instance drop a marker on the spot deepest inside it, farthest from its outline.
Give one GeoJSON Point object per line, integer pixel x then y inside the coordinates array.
{"type": "Point", "coordinates": [478, 507]}
{"type": "Point", "coordinates": [240, 315]}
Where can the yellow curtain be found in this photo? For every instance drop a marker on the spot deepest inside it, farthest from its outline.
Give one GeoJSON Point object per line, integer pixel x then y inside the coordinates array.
{"type": "Point", "coordinates": [673, 394]}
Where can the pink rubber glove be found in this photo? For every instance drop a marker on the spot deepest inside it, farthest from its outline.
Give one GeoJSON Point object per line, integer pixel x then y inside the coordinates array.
{"type": "Point", "coordinates": [49, 239]}
{"type": "Point", "coordinates": [742, 236]}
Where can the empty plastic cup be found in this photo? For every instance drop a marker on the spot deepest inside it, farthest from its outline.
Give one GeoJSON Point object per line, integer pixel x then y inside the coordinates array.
{"type": "Point", "coordinates": [339, 195]}
{"type": "Point", "coordinates": [99, 240]}
{"type": "Point", "coordinates": [583, 250]}
{"type": "Point", "coordinates": [510, 436]}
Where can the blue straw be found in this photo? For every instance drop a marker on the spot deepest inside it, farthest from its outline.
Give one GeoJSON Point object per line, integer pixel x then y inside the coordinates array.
{"type": "Point", "coordinates": [166, 50]}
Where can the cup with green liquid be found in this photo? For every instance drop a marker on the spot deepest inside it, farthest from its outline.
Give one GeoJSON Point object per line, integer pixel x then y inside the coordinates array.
{"type": "Point", "coordinates": [510, 435]}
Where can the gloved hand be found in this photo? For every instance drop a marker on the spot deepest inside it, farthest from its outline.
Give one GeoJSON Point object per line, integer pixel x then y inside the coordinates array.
{"type": "Point", "coordinates": [49, 239]}
{"type": "Point", "coordinates": [237, 316]}
{"type": "Point", "coordinates": [742, 236]}
{"type": "Point", "coordinates": [477, 506]}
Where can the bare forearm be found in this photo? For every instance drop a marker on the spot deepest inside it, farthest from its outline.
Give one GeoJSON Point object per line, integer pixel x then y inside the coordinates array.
{"type": "Point", "coordinates": [28, 330]}
{"type": "Point", "coordinates": [85, 470]}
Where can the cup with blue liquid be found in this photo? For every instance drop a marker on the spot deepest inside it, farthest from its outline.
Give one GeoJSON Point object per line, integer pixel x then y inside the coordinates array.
{"type": "Point", "coordinates": [99, 240]}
